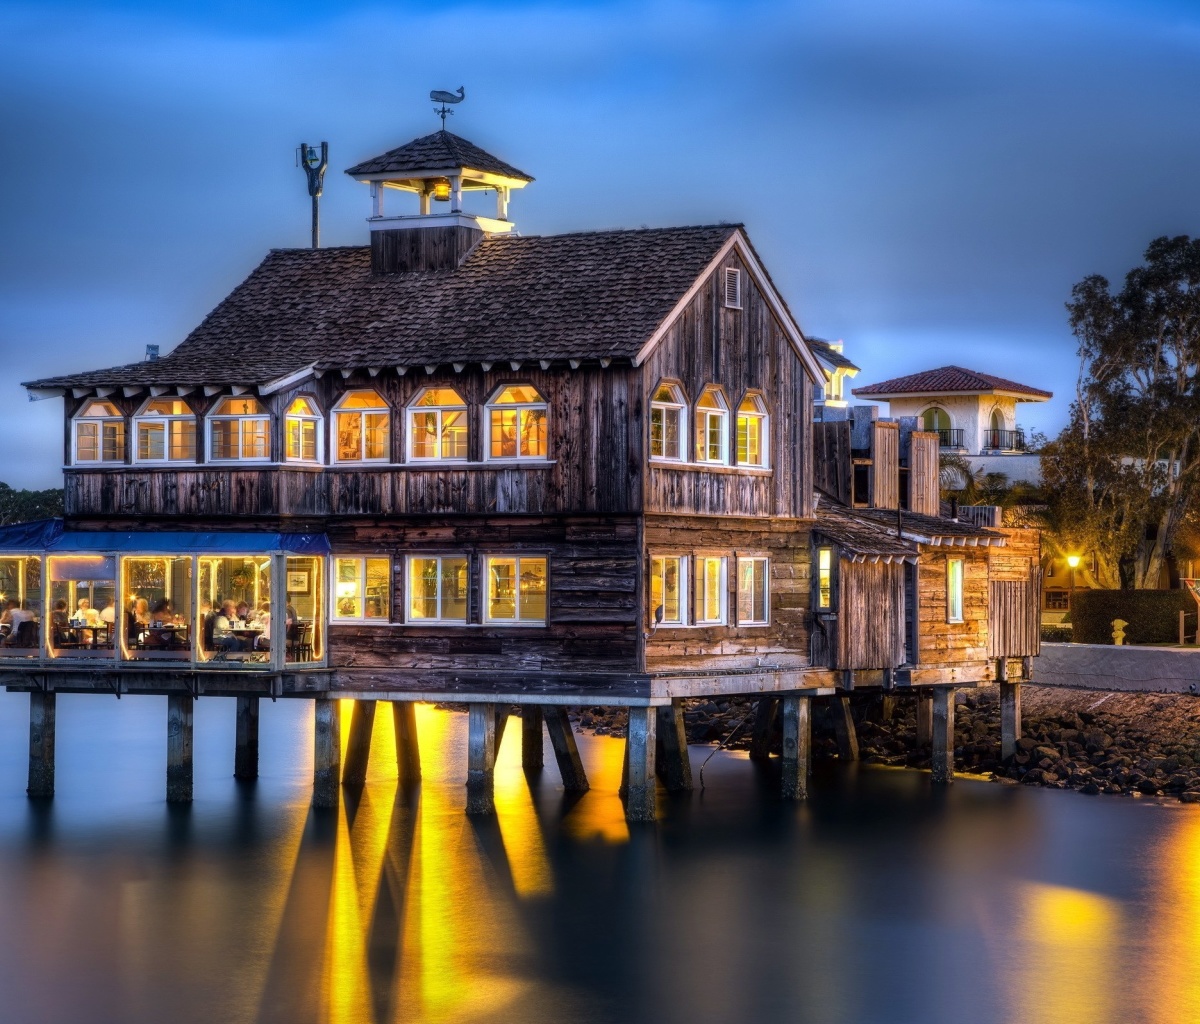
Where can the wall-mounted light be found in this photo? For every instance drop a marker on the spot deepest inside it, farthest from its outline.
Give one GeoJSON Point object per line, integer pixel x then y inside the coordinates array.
{"type": "Point", "coordinates": [441, 191]}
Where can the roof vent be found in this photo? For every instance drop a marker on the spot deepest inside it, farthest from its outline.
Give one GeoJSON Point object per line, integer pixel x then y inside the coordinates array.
{"type": "Point", "coordinates": [151, 353]}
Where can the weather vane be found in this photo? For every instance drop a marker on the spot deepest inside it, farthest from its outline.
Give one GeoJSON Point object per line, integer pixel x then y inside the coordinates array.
{"type": "Point", "coordinates": [444, 98]}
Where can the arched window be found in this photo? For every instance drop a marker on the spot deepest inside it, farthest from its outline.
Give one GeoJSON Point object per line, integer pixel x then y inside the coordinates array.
{"type": "Point", "coordinates": [934, 418]}
{"type": "Point", "coordinates": [437, 426]}
{"type": "Point", "coordinates": [239, 430]}
{"type": "Point", "coordinates": [302, 431]}
{"type": "Point", "coordinates": [668, 423]}
{"type": "Point", "coordinates": [516, 423]}
{"type": "Point", "coordinates": [165, 431]}
{"type": "Point", "coordinates": [752, 432]}
{"type": "Point", "coordinates": [997, 420]}
{"type": "Point", "coordinates": [712, 435]}
{"type": "Point", "coordinates": [363, 425]}
{"type": "Point", "coordinates": [99, 433]}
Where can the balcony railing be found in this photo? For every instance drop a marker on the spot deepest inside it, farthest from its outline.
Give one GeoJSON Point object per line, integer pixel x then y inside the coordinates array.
{"type": "Point", "coordinates": [1004, 440]}
{"type": "Point", "coordinates": [950, 438]}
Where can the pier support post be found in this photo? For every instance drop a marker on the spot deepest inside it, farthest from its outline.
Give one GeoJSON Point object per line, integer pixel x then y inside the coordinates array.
{"type": "Point", "coordinates": [327, 752]}
{"type": "Point", "coordinates": [358, 749]}
{"type": "Point", "coordinates": [887, 708]}
{"type": "Point", "coordinates": [640, 799]}
{"type": "Point", "coordinates": [245, 752]}
{"type": "Point", "coordinates": [764, 722]}
{"type": "Point", "coordinates": [797, 734]}
{"type": "Point", "coordinates": [843, 725]}
{"type": "Point", "coordinates": [503, 711]}
{"type": "Point", "coordinates": [1010, 718]}
{"type": "Point", "coordinates": [481, 759]}
{"type": "Point", "coordinates": [675, 766]}
{"type": "Point", "coordinates": [566, 753]}
{"type": "Point", "coordinates": [531, 738]}
{"type": "Point", "coordinates": [924, 719]}
{"type": "Point", "coordinates": [42, 710]}
{"type": "Point", "coordinates": [942, 760]}
{"type": "Point", "coordinates": [408, 747]}
{"type": "Point", "coordinates": [179, 748]}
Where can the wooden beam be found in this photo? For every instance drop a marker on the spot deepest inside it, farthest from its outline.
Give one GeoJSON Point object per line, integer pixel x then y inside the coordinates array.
{"type": "Point", "coordinates": [104, 392]}
{"type": "Point", "coordinates": [515, 364]}
{"type": "Point", "coordinates": [604, 363]}
{"type": "Point", "coordinates": [641, 798]}
{"type": "Point", "coordinates": [135, 389]}
{"type": "Point", "coordinates": [401, 371]}
{"type": "Point", "coordinates": [544, 364]}
{"type": "Point", "coordinates": [843, 726]}
{"type": "Point", "coordinates": [212, 389]}
{"type": "Point", "coordinates": [238, 389]}
{"type": "Point", "coordinates": [346, 374]}
{"type": "Point", "coordinates": [924, 719]}
{"type": "Point", "coordinates": [179, 748]}
{"type": "Point", "coordinates": [486, 366]}
{"type": "Point", "coordinates": [181, 391]}
{"type": "Point", "coordinates": [408, 749]}
{"type": "Point", "coordinates": [245, 754]}
{"type": "Point", "coordinates": [373, 371]}
{"type": "Point", "coordinates": [566, 752]}
{"type": "Point", "coordinates": [42, 711]}
{"type": "Point", "coordinates": [358, 749]}
{"type": "Point", "coordinates": [481, 758]}
{"type": "Point", "coordinates": [431, 368]}
{"type": "Point", "coordinates": [1010, 710]}
{"type": "Point", "coordinates": [459, 367]}
{"type": "Point", "coordinates": [80, 392]}
{"type": "Point", "coordinates": [532, 759]}
{"type": "Point", "coordinates": [797, 746]}
{"type": "Point", "coordinates": [765, 715]}
{"type": "Point", "coordinates": [675, 766]}
{"type": "Point", "coordinates": [942, 758]}
{"type": "Point", "coordinates": [502, 713]}
{"type": "Point", "coordinates": [574, 363]}
{"type": "Point", "coordinates": [327, 752]}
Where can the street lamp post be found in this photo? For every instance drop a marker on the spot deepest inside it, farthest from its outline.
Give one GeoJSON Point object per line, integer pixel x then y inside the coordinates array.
{"type": "Point", "coordinates": [1073, 562]}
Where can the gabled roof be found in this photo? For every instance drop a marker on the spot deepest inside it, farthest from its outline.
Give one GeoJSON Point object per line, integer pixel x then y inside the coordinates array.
{"type": "Point", "coordinates": [825, 352]}
{"type": "Point", "coordinates": [929, 529]}
{"type": "Point", "coordinates": [952, 379]}
{"type": "Point", "coordinates": [441, 151]}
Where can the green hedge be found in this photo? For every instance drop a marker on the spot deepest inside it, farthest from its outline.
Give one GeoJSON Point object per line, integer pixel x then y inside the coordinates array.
{"type": "Point", "coordinates": [1153, 615]}
{"type": "Point", "coordinates": [1056, 634]}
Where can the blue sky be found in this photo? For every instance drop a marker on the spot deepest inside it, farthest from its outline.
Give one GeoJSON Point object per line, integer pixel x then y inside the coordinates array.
{"type": "Point", "coordinates": [925, 180]}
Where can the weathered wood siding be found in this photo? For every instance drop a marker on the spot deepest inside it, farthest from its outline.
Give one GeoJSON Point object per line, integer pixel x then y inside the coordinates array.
{"type": "Point", "coordinates": [402, 250]}
{"type": "Point", "coordinates": [924, 465]}
{"type": "Point", "coordinates": [885, 465]}
{"type": "Point", "coordinates": [870, 604]}
{"type": "Point", "coordinates": [831, 466]}
{"type": "Point", "coordinates": [1014, 612]}
{"type": "Point", "coordinates": [952, 643]}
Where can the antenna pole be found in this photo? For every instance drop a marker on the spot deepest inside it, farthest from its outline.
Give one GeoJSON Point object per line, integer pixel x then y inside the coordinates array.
{"type": "Point", "coordinates": [314, 170]}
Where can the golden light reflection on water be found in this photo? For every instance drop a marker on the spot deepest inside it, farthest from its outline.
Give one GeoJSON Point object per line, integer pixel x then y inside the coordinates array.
{"type": "Point", "coordinates": [600, 813]}
{"type": "Point", "coordinates": [1174, 937]}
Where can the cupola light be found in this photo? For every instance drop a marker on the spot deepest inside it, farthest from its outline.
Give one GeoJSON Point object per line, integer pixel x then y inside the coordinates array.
{"type": "Point", "coordinates": [441, 191]}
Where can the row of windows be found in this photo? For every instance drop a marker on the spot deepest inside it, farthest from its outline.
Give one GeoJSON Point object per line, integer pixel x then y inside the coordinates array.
{"type": "Point", "coordinates": [669, 428]}
{"type": "Point", "coordinates": [709, 592]}
{"type": "Point", "coordinates": [955, 568]}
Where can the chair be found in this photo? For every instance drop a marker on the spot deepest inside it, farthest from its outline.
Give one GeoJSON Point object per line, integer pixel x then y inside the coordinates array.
{"type": "Point", "coordinates": [26, 635]}
{"type": "Point", "coordinates": [302, 648]}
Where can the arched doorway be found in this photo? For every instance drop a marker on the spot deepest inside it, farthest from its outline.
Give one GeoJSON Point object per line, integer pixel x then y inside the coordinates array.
{"type": "Point", "coordinates": [936, 418]}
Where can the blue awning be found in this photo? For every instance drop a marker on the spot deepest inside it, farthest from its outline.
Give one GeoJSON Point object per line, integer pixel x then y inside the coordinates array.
{"type": "Point", "coordinates": [50, 535]}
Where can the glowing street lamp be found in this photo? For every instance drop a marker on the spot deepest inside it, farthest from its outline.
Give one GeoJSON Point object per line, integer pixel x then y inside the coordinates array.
{"type": "Point", "coordinates": [1073, 562]}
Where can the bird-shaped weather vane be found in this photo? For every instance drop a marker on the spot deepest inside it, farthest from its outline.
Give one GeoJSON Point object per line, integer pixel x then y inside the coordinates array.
{"type": "Point", "coordinates": [445, 98]}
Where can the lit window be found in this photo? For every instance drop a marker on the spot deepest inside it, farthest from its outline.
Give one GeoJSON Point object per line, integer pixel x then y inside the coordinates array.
{"type": "Point", "coordinates": [1057, 601]}
{"type": "Point", "coordinates": [668, 587]}
{"type": "Point", "coordinates": [668, 424]}
{"type": "Point", "coordinates": [954, 590]}
{"type": "Point", "coordinates": [711, 413]}
{"type": "Point", "coordinates": [166, 431]}
{"type": "Point", "coordinates": [302, 430]}
{"type": "Point", "coordinates": [516, 589]}
{"type": "Point", "coordinates": [437, 589]}
{"type": "Point", "coordinates": [363, 426]}
{"type": "Point", "coordinates": [362, 589]}
{"type": "Point", "coordinates": [437, 426]}
{"type": "Point", "coordinates": [733, 288]}
{"type": "Point", "coordinates": [752, 592]}
{"type": "Point", "coordinates": [99, 433]}
{"type": "Point", "coordinates": [239, 430]}
{"type": "Point", "coordinates": [752, 432]}
{"type": "Point", "coordinates": [824, 577]}
{"type": "Point", "coordinates": [517, 424]}
{"type": "Point", "coordinates": [710, 590]}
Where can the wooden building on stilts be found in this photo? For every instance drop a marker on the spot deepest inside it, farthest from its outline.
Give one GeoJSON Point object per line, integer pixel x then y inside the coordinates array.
{"type": "Point", "coordinates": [463, 464]}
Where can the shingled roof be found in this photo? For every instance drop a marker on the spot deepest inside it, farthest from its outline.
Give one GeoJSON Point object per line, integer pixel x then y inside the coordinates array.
{"type": "Point", "coordinates": [573, 296]}
{"type": "Point", "coordinates": [930, 529]}
{"type": "Point", "coordinates": [825, 351]}
{"type": "Point", "coordinates": [441, 151]}
{"type": "Point", "coordinates": [951, 379]}
{"type": "Point", "coordinates": [860, 540]}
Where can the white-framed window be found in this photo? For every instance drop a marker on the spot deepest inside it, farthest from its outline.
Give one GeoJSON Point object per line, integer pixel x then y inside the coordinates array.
{"type": "Point", "coordinates": [362, 426]}
{"type": "Point", "coordinates": [733, 288]}
{"type": "Point", "coordinates": [99, 433]}
{"type": "Point", "coordinates": [239, 430]}
{"type": "Point", "coordinates": [752, 432]}
{"type": "Point", "coordinates": [668, 589]}
{"type": "Point", "coordinates": [668, 424]}
{"type": "Point", "coordinates": [515, 589]}
{"type": "Point", "coordinates": [824, 578]}
{"type": "Point", "coordinates": [712, 434]}
{"type": "Point", "coordinates": [753, 591]}
{"type": "Point", "coordinates": [362, 589]}
{"type": "Point", "coordinates": [710, 590]}
{"type": "Point", "coordinates": [437, 426]}
{"type": "Point", "coordinates": [437, 588]}
{"type": "Point", "coordinates": [302, 431]}
{"type": "Point", "coordinates": [954, 590]}
{"type": "Point", "coordinates": [165, 431]}
{"type": "Point", "coordinates": [516, 423]}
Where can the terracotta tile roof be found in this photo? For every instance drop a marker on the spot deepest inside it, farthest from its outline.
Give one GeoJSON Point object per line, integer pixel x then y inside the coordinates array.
{"type": "Point", "coordinates": [441, 151]}
{"type": "Point", "coordinates": [575, 296]}
{"type": "Point", "coordinates": [949, 378]}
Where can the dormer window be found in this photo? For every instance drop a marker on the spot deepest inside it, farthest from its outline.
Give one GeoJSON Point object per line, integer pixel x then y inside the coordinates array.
{"type": "Point", "coordinates": [516, 424]}
{"type": "Point", "coordinates": [99, 433]}
{"type": "Point", "coordinates": [302, 432]}
{"type": "Point", "coordinates": [752, 432]}
{"type": "Point", "coordinates": [437, 426]}
{"type": "Point", "coordinates": [668, 424]}
{"type": "Point", "coordinates": [711, 434]}
{"type": "Point", "coordinates": [165, 431]}
{"type": "Point", "coordinates": [363, 425]}
{"type": "Point", "coordinates": [733, 288]}
{"type": "Point", "coordinates": [239, 430]}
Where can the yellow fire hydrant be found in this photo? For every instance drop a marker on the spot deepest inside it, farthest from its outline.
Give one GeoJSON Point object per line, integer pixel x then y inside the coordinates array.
{"type": "Point", "coordinates": [1118, 633]}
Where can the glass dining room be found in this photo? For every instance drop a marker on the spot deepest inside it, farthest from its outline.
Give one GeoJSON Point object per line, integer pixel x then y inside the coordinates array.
{"type": "Point", "coordinates": [82, 612]}
{"type": "Point", "coordinates": [156, 620]}
{"type": "Point", "coordinates": [22, 606]}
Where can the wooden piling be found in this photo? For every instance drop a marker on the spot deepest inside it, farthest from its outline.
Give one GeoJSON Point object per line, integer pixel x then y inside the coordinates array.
{"type": "Point", "coordinates": [764, 722]}
{"type": "Point", "coordinates": [942, 759]}
{"type": "Point", "coordinates": [245, 754]}
{"type": "Point", "coordinates": [358, 748]}
{"type": "Point", "coordinates": [797, 747]}
{"type": "Point", "coordinates": [1010, 718]}
{"type": "Point", "coordinates": [887, 708]}
{"type": "Point", "coordinates": [42, 712]}
{"type": "Point", "coordinates": [179, 748]}
{"type": "Point", "coordinates": [532, 759]}
{"type": "Point", "coordinates": [327, 752]}
{"type": "Point", "coordinates": [481, 759]}
{"type": "Point", "coordinates": [924, 719]}
{"type": "Point", "coordinates": [503, 711]}
{"type": "Point", "coordinates": [641, 798]}
{"type": "Point", "coordinates": [843, 726]}
{"type": "Point", "coordinates": [566, 753]}
{"type": "Point", "coordinates": [408, 747]}
{"type": "Point", "coordinates": [675, 766]}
